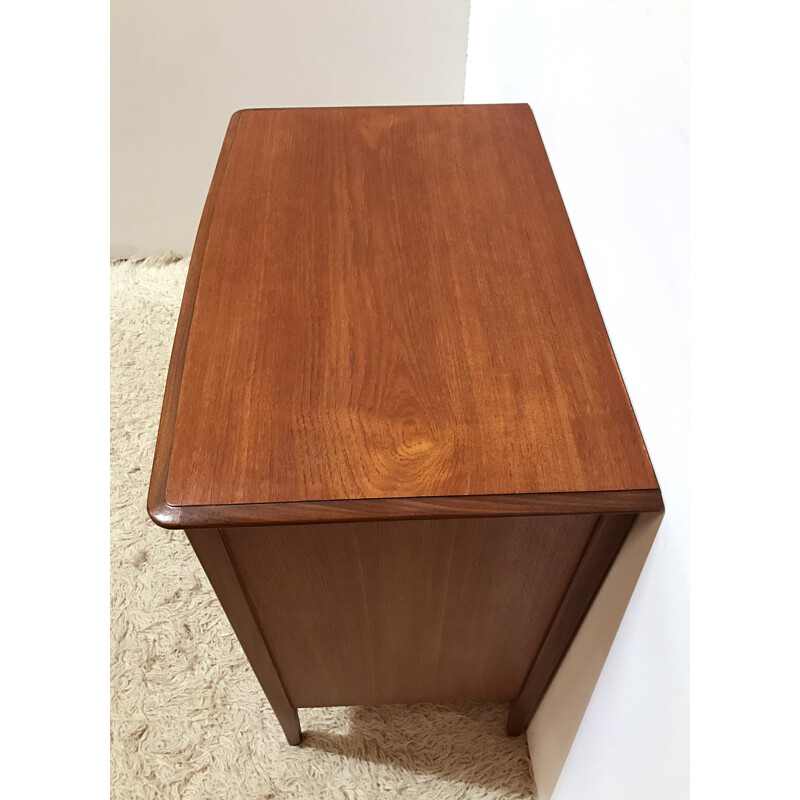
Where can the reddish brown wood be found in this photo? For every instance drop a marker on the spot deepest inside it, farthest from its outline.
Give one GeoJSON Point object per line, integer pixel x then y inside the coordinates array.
{"type": "Point", "coordinates": [387, 327]}
{"type": "Point", "coordinates": [392, 304]}
{"type": "Point", "coordinates": [157, 507]}
{"type": "Point", "coordinates": [212, 551]}
{"type": "Point", "coordinates": [406, 508]}
{"type": "Point", "coordinates": [605, 542]}
{"type": "Point", "coordinates": [404, 612]}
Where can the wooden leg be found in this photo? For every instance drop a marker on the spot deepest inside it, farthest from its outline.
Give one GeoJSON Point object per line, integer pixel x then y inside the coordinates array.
{"type": "Point", "coordinates": [211, 549]}
{"type": "Point", "coordinates": [606, 540]}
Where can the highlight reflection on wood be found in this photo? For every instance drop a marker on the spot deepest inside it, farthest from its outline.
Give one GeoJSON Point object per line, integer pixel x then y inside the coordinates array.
{"type": "Point", "coordinates": [388, 328]}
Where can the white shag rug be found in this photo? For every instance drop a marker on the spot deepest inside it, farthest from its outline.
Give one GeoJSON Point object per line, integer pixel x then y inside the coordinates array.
{"type": "Point", "coordinates": [188, 717]}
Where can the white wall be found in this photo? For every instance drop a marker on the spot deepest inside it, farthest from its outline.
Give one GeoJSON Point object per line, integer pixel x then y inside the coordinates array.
{"type": "Point", "coordinates": [608, 84]}
{"type": "Point", "coordinates": [179, 70]}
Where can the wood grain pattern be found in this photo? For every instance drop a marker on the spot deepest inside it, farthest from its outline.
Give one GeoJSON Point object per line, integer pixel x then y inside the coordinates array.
{"type": "Point", "coordinates": [406, 508]}
{"type": "Point", "coordinates": [211, 550]}
{"type": "Point", "coordinates": [404, 612]}
{"type": "Point", "coordinates": [387, 327]}
{"type": "Point", "coordinates": [390, 303]}
{"type": "Point", "coordinates": [606, 539]}
{"type": "Point", "coordinates": [159, 510]}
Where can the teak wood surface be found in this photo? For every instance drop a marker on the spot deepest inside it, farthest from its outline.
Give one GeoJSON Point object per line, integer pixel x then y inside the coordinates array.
{"type": "Point", "coordinates": [387, 327]}
{"type": "Point", "coordinates": [430, 605]}
{"type": "Point", "coordinates": [390, 303]}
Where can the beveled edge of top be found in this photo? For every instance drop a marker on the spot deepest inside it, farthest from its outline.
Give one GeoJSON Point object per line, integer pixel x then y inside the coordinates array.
{"type": "Point", "coordinates": [320, 511]}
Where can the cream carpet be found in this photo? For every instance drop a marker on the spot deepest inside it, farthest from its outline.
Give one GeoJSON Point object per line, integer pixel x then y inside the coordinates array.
{"type": "Point", "coordinates": [188, 718]}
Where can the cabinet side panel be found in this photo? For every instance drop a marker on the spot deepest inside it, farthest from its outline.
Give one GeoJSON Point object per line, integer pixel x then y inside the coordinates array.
{"type": "Point", "coordinates": [402, 612]}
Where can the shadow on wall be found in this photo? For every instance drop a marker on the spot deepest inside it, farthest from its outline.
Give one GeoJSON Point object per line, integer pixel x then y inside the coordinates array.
{"type": "Point", "coordinates": [556, 722]}
{"type": "Point", "coordinates": [464, 743]}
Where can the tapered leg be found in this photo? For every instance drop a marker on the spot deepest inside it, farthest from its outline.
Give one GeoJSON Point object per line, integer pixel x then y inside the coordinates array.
{"type": "Point", "coordinates": [212, 551]}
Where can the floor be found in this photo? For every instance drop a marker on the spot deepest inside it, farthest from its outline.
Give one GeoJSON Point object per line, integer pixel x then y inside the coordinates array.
{"type": "Point", "coordinates": [188, 718]}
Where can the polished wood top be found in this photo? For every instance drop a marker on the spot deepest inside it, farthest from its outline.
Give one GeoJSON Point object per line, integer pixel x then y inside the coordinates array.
{"type": "Point", "coordinates": [390, 303]}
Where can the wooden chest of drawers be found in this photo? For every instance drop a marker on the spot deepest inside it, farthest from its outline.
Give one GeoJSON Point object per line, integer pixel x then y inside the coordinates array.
{"type": "Point", "coordinates": [394, 428]}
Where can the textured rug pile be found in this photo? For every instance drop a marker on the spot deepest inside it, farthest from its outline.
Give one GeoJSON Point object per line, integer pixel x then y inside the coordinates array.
{"type": "Point", "coordinates": [188, 717]}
